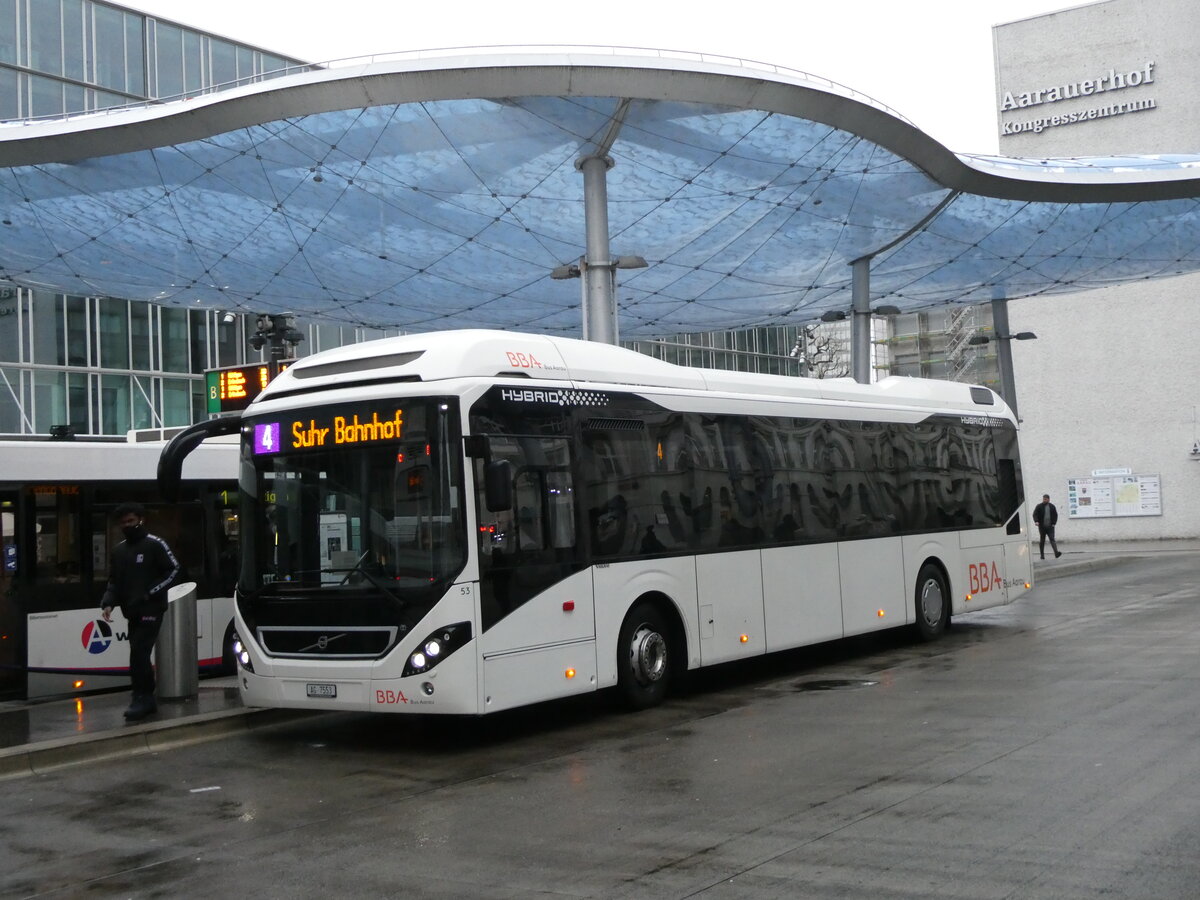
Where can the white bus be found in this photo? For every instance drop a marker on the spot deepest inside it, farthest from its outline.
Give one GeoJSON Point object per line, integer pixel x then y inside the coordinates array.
{"type": "Point", "coordinates": [56, 531]}
{"type": "Point", "coordinates": [466, 522]}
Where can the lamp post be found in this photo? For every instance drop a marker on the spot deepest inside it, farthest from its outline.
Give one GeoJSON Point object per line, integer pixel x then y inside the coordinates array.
{"type": "Point", "coordinates": [598, 294]}
{"type": "Point", "coordinates": [1008, 384]}
{"type": "Point", "coordinates": [280, 332]}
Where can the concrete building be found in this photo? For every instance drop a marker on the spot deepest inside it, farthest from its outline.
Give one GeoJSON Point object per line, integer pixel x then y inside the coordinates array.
{"type": "Point", "coordinates": [1109, 385]}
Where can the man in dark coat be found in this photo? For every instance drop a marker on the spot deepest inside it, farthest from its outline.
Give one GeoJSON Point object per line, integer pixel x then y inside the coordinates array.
{"type": "Point", "coordinates": [141, 569]}
{"type": "Point", "coordinates": [1045, 516]}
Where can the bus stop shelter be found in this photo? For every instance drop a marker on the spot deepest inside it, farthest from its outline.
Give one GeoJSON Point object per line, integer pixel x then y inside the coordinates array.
{"type": "Point", "coordinates": [617, 193]}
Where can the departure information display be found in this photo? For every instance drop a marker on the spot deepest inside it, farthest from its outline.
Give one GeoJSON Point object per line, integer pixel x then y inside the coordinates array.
{"type": "Point", "coordinates": [231, 389]}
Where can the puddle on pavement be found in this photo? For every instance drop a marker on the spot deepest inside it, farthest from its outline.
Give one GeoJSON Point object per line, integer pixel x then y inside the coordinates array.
{"type": "Point", "coordinates": [835, 684]}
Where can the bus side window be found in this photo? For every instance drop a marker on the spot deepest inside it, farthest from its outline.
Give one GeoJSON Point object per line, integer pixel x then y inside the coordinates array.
{"type": "Point", "coordinates": [544, 503]}
{"type": "Point", "coordinates": [528, 507]}
{"type": "Point", "coordinates": [1010, 501]}
{"type": "Point", "coordinates": [561, 507]}
{"type": "Point", "coordinates": [57, 517]}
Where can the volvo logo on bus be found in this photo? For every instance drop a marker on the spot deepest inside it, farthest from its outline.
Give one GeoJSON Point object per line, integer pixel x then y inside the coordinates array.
{"type": "Point", "coordinates": [322, 642]}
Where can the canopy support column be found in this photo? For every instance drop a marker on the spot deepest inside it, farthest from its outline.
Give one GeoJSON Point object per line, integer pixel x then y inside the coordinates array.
{"type": "Point", "coordinates": [860, 321]}
{"type": "Point", "coordinates": [599, 295]}
{"type": "Point", "coordinates": [1008, 381]}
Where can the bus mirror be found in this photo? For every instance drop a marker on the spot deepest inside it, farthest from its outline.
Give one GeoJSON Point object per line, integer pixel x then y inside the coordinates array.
{"type": "Point", "coordinates": [497, 485]}
{"type": "Point", "coordinates": [170, 461]}
{"type": "Point", "coordinates": [476, 446]}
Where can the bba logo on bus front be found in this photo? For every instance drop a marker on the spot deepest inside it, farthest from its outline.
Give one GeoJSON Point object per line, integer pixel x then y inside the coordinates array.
{"type": "Point", "coordinates": [98, 636]}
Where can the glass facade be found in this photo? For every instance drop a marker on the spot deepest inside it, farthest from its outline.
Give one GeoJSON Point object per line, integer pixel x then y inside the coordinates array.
{"type": "Point", "coordinates": [59, 57]}
{"type": "Point", "coordinates": [765, 349]}
{"type": "Point", "coordinates": [937, 344]}
{"type": "Point", "coordinates": [103, 365]}
{"type": "Point", "coordinates": [806, 351]}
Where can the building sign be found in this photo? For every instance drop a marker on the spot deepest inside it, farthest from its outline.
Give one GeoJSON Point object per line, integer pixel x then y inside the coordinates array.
{"type": "Point", "coordinates": [1099, 88]}
{"type": "Point", "coordinates": [1106, 496]}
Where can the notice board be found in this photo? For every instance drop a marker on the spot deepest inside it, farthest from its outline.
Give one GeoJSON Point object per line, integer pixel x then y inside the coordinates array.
{"type": "Point", "coordinates": [1104, 496]}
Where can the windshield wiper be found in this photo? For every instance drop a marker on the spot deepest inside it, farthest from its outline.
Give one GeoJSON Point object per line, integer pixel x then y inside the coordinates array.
{"type": "Point", "coordinates": [358, 567]}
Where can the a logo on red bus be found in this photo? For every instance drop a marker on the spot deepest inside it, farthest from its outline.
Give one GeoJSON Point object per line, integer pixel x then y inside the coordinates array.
{"type": "Point", "coordinates": [97, 636]}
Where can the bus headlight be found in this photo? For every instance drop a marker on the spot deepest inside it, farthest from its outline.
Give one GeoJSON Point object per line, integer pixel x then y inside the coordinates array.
{"type": "Point", "coordinates": [436, 647]}
{"type": "Point", "coordinates": [241, 654]}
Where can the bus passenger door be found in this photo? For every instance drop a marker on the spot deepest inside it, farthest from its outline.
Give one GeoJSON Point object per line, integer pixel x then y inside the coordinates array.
{"type": "Point", "coordinates": [536, 607]}
{"type": "Point", "coordinates": [528, 554]}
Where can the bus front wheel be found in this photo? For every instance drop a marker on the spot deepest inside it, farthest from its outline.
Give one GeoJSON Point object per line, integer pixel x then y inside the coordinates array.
{"type": "Point", "coordinates": [644, 657]}
{"type": "Point", "coordinates": [933, 603]}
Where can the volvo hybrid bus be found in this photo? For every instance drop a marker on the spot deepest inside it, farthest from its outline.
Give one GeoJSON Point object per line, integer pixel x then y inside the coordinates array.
{"type": "Point", "coordinates": [56, 532]}
{"type": "Point", "coordinates": [465, 522]}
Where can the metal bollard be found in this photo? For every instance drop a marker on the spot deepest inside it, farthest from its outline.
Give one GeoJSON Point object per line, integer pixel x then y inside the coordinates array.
{"type": "Point", "coordinates": [178, 667]}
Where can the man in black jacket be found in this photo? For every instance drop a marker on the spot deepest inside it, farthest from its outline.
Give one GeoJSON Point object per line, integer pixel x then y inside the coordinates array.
{"type": "Point", "coordinates": [141, 569]}
{"type": "Point", "coordinates": [1045, 516]}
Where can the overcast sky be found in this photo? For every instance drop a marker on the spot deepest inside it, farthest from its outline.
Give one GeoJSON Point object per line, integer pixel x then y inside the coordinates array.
{"type": "Point", "coordinates": [931, 60]}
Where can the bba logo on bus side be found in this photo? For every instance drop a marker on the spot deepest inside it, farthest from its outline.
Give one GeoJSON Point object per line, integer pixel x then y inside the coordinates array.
{"type": "Point", "coordinates": [520, 360]}
{"type": "Point", "coordinates": [983, 577]}
{"type": "Point", "coordinates": [98, 636]}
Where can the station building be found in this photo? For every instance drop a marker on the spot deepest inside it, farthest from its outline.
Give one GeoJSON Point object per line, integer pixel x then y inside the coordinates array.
{"type": "Point", "coordinates": [1107, 392]}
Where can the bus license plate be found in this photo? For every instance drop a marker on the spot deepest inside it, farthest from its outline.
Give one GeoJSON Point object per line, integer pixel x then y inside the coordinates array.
{"type": "Point", "coordinates": [322, 690]}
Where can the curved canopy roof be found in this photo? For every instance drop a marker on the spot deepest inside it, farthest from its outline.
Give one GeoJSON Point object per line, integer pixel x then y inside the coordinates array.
{"type": "Point", "coordinates": [433, 193]}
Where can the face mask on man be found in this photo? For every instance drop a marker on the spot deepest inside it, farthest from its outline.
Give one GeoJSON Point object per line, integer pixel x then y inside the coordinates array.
{"type": "Point", "coordinates": [133, 532]}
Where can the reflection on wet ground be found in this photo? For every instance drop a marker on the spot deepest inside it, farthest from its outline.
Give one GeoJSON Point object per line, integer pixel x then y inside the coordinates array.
{"type": "Point", "coordinates": [27, 722]}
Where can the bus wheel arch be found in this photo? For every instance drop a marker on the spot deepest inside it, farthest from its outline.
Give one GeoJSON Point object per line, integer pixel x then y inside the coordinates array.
{"type": "Point", "coordinates": [651, 651]}
{"type": "Point", "coordinates": [931, 600]}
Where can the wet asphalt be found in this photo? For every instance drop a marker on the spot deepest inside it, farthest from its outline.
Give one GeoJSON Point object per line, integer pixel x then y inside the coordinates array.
{"type": "Point", "coordinates": [1049, 749]}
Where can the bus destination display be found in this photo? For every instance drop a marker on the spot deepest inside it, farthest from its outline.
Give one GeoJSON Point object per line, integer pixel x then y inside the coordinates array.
{"type": "Point", "coordinates": [328, 430]}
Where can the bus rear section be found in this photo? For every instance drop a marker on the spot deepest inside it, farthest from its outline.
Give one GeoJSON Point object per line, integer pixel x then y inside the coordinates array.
{"type": "Point", "coordinates": [56, 503]}
{"type": "Point", "coordinates": [423, 533]}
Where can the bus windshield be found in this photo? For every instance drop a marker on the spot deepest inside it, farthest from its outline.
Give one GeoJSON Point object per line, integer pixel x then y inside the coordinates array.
{"type": "Point", "coordinates": [363, 497]}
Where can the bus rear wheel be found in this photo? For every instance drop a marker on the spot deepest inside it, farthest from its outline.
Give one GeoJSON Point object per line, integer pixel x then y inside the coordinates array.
{"type": "Point", "coordinates": [933, 603]}
{"type": "Point", "coordinates": [644, 657]}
